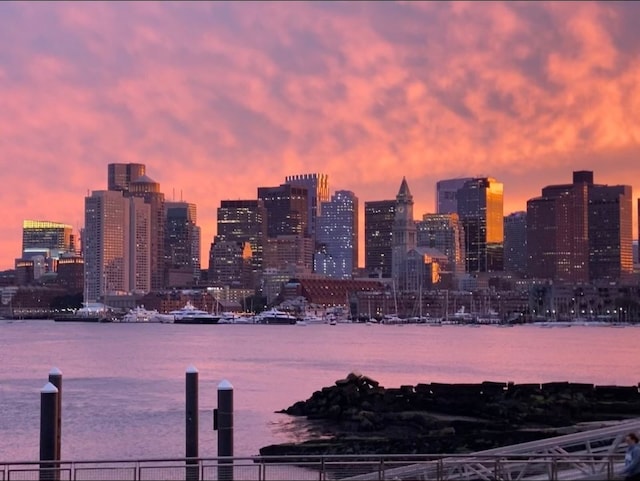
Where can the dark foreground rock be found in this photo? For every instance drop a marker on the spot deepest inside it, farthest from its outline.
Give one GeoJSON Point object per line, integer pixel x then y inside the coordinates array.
{"type": "Point", "coordinates": [358, 416]}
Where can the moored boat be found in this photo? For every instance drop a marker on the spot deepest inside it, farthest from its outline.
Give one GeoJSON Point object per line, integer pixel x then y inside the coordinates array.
{"type": "Point", "coordinates": [275, 316]}
{"type": "Point", "coordinates": [189, 314]}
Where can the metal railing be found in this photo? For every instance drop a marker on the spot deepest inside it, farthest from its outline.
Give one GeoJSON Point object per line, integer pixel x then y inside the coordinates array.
{"type": "Point", "coordinates": [272, 468]}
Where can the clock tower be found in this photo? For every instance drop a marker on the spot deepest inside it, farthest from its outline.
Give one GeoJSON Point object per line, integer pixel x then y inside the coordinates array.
{"type": "Point", "coordinates": [404, 234]}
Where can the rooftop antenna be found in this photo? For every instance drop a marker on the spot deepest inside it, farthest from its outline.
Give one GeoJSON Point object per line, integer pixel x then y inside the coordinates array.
{"type": "Point", "coordinates": [180, 195]}
{"type": "Point", "coordinates": [173, 197]}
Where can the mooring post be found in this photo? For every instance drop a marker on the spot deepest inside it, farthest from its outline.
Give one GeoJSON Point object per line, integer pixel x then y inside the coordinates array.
{"type": "Point", "coordinates": [223, 423]}
{"type": "Point", "coordinates": [55, 378]}
{"type": "Point", "coordinates": [48, 431]}
{"type": "Point", "coordinates": [191, 391]}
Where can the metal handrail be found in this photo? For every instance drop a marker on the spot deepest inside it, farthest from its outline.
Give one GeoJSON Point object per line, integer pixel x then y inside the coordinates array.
{"type": "Point", "coordinates": [452, 466]}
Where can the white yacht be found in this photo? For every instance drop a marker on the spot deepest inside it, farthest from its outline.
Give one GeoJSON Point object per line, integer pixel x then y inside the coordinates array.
{"type": "Point", "coordinates": [275, 316]}
{"type": "Point", "coordinates": [189, 314]}
{"type": "Point", "coordinates": [140, 314]}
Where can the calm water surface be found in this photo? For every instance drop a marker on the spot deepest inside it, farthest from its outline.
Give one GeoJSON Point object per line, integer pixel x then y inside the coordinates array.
{"type": "Point", "coordinates": [123, 384]}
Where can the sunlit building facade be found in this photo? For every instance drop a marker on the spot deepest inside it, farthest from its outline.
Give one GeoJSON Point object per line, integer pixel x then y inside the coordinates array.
{"type": "Point", "coordinates": [116, 245]}
{"type": "Point", "coordinates": [317, 186]}
{"type": "Point", "coordinates": [480, 207]}
{"type": "Point", "coordinates": [445, 233]}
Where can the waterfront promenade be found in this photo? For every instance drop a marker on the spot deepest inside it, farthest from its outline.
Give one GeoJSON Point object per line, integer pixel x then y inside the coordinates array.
{"type": "Point", "coordinates": [591, 455]}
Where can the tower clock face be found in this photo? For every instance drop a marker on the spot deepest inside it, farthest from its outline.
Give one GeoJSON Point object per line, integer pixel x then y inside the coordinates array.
{"type": "Point", "coordinates": [400, 208]}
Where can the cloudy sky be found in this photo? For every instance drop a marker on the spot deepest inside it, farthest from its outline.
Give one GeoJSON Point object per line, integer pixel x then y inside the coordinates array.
{"type": "Point", "coordinates": [219, 98]}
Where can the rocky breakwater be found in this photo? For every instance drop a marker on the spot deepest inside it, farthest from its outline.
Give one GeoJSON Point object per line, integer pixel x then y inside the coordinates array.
{"type": "Point", "coordinates": [358, 416]}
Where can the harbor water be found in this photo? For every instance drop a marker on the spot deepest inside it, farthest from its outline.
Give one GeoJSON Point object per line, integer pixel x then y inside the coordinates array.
{"type": "Point", "coordinates": [124, 384]}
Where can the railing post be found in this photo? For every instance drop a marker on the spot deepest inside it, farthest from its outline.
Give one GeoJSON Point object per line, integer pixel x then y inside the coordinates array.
{"type": "Point", "coordinates": [191, 428]}
{"type": "Point", "coordinates": [55, 378]}
{"type": "Point", "coordinates": [223, 422]}
{"type": "Point", "coordinates": [48, 431]}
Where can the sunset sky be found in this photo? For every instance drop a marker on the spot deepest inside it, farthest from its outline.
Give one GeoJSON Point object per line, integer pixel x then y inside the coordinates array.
{"type": "Point", "coordinates": [220, 98]}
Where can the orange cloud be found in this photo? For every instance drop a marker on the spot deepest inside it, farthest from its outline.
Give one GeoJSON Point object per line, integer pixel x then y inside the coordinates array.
{"type": "Point", "coordinates": [220, 98]}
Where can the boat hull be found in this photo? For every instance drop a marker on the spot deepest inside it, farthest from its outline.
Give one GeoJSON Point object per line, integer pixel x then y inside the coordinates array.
{"type": "Point", "coordinates": [197, 320]}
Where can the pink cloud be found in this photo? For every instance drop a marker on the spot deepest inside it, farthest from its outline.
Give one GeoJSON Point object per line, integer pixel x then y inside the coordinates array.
{"type": "Point", "coordinates": [218, 99]}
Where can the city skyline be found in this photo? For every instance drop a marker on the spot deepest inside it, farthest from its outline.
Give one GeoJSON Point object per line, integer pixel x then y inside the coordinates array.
{"type": "Point", "coordinates": [218, 99]}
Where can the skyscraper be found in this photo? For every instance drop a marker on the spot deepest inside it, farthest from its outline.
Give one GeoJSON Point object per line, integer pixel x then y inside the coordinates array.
{"type": "Point", "coordinates": [447, 195]}
{"type": "Point", "coordinates": [337, 236]}
{"type": "Point", "coordinates": [317, 186]}
{"type": "Point", "coordinates": [116, 245]}
{"type": "Point", "coordinates": [445, 233]}
{"type": "Point", "coordinates": [120, 176]}
{"type": "Point", "coordinates": [244, 221]}
{"type": "Point", "coordinates": [581, 231]}
{"type": "Point", "coordinates": [39, 236]}
{"type": "Point", "coordinates": [610, 232]}
{"type": "Point", "coordinates": [182, 239]}
{"type": "Point", "coordinates": [131, 180]}
{"type": "Point", "coordinates": [149, 190]}
{"type": "Point", "coordinates": [515, 242]}
{"type": "Point", "coordinates": [480, 207]}
{"type": "Point", "coordinates": [287, 209]}
{"type": "Point", "coordinates": [230, 263]}
{"type": "Point", "coordinates": [404, 234]}
{"type": "Point", "coordinates": [379, 218]}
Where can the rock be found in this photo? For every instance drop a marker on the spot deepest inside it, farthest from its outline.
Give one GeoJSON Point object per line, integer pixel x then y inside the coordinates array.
{"type": "Point", "coordinates": [366, 418]}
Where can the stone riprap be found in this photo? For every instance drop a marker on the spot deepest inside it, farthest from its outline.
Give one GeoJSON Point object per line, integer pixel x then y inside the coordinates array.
{"type": "Point", "coordinates": [358, 416]}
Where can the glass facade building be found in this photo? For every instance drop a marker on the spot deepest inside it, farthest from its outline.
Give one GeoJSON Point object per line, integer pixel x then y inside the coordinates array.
{"type": "Point", "coordinates": [337, 236]}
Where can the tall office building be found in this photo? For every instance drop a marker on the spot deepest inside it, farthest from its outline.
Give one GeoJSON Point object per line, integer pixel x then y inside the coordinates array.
{"type": "Point", "coordinates": [290, 254]}
{"type": "Point", "coordinates": [447, 195]}
{"type": "Point", "coordinates": [287, 209]}
{"type": "Point", "coordinates": [244, 221]}
{"type": "Point", "coordinates": [557, 232]}
{"type": "Point", "coordinates": [336, 251]}
{"type": "Point", "coordinates": [120, 176]}
{"type": "Point", "coordinates": [480, 207]}
{"type": "Point", "coordinates": [132, 181]}
{"type": "Point", "coordinates": [230, 263]}
{"type": "Point", "coordinates": [116, 245]}
{"type": "Point", "coordinates": [581, 231]}
{"type": "Point", "coordinates": [317, 186]}
{"type": "Point", "coordinates": [404, 234]}
{"type": "Point", "coordinates": [182, 240]}
{"type": "Point", "coordinates": [515, 242]}
{"type": "Point", "coordinates": [46, 238]}
{"type": "Point", "coordinates": [379, 217]}
{"type": "Point", "coordinates": [149, 190]}
{"type": "Point", "coordinates": [445, 233]}
{"type": "Point", "coordinates": [610, 232]}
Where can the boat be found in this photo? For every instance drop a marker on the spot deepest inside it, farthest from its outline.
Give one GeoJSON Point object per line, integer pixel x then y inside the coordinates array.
{"type": "Point", "coordinates": [189, 314]}
{"type": "Point", "coordinates": [313, 319]}
{"type": "Point", "coordinates": [163, 318]}
{"type": "Point", "coordinates": [140, 314]}
{"type": "Point", "coordinates": [235, 318]}
{"type": "Point", "coordinates": [275, 316]}
{"type": "Point", "coordinates": [89, 312]}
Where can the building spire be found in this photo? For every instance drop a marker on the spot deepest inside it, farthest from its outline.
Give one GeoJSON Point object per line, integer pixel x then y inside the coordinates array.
{"type": "Point", "coordinates": [404, 193]}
